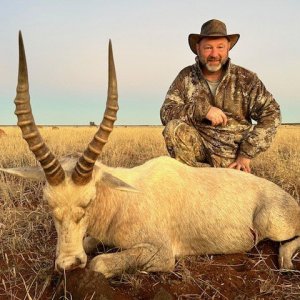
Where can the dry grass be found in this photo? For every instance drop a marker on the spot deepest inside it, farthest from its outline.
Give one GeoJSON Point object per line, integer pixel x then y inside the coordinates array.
{"type": "Point", "coordinates": [281, 163]}
{"type": "Point", "coordinates": [26, 230]}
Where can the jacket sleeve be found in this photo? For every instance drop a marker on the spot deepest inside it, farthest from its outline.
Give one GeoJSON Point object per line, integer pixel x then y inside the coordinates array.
{"type": "Point", "coordinates": [180, 103]}
{"type": "Point", "coordinates": [265, 110]}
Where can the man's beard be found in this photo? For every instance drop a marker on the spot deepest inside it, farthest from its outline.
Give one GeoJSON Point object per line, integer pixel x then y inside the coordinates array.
{"type": "Point", "coordinates": [213, 68]}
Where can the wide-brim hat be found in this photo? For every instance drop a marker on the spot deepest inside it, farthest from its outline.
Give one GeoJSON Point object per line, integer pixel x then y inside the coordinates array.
{"type": "Point", "coordinates": [212, 28]}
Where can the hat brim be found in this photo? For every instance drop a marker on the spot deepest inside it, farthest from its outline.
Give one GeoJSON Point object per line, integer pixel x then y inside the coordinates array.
{"type": "Point", "coordinates": [194, 38]}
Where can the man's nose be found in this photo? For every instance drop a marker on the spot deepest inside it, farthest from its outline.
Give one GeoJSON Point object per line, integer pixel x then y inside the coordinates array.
{"type": "Point", "coordinates": [214, 53]}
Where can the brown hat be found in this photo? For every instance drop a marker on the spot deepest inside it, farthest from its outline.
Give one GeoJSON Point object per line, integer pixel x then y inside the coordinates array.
{"type": "Point", "coordinates": [212, 28]}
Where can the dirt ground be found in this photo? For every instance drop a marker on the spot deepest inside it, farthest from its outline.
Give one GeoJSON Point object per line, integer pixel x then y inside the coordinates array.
{"type": "Point", "coordinates": [252, 275]}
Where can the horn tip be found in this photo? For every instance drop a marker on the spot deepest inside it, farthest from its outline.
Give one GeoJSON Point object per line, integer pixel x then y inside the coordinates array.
{"type": "Point", "coordinates": [20, 38]}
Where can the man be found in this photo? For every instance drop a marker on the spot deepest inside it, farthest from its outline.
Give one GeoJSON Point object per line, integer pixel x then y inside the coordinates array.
{"type": "Point", "coordinates": [209, 107]}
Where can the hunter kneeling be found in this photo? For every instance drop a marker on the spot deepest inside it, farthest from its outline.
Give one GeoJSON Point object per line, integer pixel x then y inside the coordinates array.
{"type": "Point", "coordinates": [209, 107]}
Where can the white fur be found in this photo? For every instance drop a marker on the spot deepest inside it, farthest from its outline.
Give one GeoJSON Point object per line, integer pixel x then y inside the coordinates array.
{"type": "Point", "coordinates": [164, 209]}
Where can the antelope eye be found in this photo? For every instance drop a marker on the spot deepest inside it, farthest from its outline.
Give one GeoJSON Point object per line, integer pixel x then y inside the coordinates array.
{"type": "Point", "coordinates": [85, 205]}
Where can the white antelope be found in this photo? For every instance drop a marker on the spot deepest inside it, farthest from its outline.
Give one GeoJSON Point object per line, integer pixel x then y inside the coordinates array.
{"type": "Point", "coordinates": [155, 212]}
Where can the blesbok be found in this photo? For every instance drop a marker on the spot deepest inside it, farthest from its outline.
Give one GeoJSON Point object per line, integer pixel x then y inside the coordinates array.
{"type": "Point", "coordinates": [155, 212]}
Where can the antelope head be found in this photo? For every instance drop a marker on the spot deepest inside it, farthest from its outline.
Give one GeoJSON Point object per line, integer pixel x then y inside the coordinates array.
{"type": "Point", "coordinates": [70, 186]}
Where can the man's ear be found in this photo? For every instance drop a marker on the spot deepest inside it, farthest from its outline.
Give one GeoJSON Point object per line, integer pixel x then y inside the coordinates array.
{"type": "Point", "coordinates": [229, 45]}
{"type": "Point", "coordinates": [116, 183]}
{"type": "Point", "coordinates": [34, 173]}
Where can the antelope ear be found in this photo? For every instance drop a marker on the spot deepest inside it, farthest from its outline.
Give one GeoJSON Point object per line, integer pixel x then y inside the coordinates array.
{"type": "Point", "coordinates": [34, 173]}
{"type": "Point", "coordinates": [116, 183]}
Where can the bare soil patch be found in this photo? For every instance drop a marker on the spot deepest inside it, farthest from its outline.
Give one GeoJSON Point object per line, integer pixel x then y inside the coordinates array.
{"type": "Point", "coordinates": [252, 275]}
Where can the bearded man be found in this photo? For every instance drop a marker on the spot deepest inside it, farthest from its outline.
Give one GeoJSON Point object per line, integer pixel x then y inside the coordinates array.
{"type": "Point", "coordinates": [209, 108]}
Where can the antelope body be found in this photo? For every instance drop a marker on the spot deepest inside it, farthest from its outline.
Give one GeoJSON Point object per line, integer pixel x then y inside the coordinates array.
{"type": "Point", "coordinates": [155, 212]}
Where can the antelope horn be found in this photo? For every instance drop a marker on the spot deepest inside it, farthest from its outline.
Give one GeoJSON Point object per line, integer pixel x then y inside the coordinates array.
{"type": "Point", "coordinates": [82, 173]}
{"type": "Point", "coordinates": [51, 166]}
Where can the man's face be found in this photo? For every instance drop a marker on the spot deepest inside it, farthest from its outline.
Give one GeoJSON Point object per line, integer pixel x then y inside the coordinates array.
{"type": "Point", "coordinates": [213, 53]}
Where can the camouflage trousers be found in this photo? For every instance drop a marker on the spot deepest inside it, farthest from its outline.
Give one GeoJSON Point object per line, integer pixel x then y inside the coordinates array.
{"type": "Point", "coordinates": [185, 144]}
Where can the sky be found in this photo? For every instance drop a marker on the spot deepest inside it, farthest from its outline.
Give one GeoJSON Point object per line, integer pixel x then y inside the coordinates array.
{"type": "Point", "coordinates": [66, 47]}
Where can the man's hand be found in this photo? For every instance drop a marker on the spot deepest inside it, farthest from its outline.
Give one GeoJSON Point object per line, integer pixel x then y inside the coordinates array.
{"type": "Point", "coordinates": [216, 116]}
{"type": "Point", "coordinates": [242, 163]}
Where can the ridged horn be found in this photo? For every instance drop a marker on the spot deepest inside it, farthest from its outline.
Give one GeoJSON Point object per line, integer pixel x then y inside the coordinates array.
{"type": "Point", "coordinates": [82, 173]}
{"type": "Point", "coordinates": [51, 166]}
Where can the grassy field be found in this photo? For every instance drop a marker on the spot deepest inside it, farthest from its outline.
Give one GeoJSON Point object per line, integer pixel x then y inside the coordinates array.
{"type": "Point", "coordinates": [27, 233]}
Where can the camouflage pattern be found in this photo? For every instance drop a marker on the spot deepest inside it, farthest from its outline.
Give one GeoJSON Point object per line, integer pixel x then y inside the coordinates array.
{"type": "Point", "coordinates": [186, 145]}
{"type": "Point", "coordinates": [240, 95]}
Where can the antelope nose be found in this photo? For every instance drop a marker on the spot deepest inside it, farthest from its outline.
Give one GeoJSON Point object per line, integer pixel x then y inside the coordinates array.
{"type": "Point", "coordinates": [68, 265]}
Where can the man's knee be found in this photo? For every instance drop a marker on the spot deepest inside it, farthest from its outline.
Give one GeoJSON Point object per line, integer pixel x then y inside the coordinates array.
{"type": "Point", "coordinates": [184, 143]}
{"type": "Point", "coordinates": [169, 133]}
{"type": "Point", "coordinates": [179, 129]}
{"type": "Point", "coordinates": [172, 127]}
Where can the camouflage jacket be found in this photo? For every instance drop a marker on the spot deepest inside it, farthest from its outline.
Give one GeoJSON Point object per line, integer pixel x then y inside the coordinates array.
{"type": "Point", "coordinates": [240, 95]}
